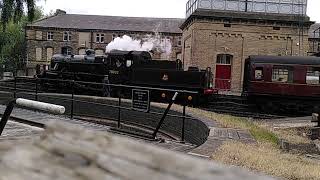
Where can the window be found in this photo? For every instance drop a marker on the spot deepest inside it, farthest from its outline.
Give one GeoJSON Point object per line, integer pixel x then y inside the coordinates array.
{"type": "Point", "coordinates": [114, 36]}
{"type": "Point", "coordinates": [258, 73]}
{"type": "Point", "coordinates": [100, 38]}
{"type": "Point", "coordinates": [82, 51]}
{"type": "Point", "coordinates": [99, 52]}
{"type": "Point", "coordinates": [313, 76]}
{"type": "Point", "coordinates": [227, 25]}
{"type": "Point", "coordinates": [49, 35]}
{"type": "Point", "coordinates": [38, 35]}
{"type": "Point", "coordinates": [282, 74]}
{"type": "Point", "coordinates": [38, 54]}
{"type": "Point", "coordinates": [224, 59]}
{"type": "Point", "coordinates": [66, 50]}
{"type": "Point", "coordinates": [67, 36]}
{"type": "Point", "coordinates": [180, 41]}
{"type": "Point", "coordinates": [49, 53]}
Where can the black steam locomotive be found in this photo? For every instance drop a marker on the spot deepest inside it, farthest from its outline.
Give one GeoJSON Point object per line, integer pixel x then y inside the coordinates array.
{"type": "Point", "coordinates": [133, 68]}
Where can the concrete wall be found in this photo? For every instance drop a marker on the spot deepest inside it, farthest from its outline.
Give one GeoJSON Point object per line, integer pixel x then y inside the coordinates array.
{"type": "Point", "coordinates": [196, 131]}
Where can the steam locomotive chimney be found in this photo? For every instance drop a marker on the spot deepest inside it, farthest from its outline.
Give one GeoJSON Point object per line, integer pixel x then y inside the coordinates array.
{"type": "Point", "coordinates": [60, 12]}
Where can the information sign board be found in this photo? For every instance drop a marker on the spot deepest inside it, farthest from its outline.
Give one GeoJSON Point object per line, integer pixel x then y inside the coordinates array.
{"type": "Point", "coordinates": [140, 100]}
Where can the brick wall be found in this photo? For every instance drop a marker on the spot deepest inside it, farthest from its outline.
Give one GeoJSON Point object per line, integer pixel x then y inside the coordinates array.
{"type": "Point", "coordinates": [204, 39]}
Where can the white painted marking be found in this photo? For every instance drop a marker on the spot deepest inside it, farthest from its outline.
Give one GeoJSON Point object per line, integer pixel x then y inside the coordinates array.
{"type": "Point", "coordinates": [41, 106]}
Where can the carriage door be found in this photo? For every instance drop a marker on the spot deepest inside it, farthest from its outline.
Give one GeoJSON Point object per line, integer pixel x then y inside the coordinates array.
{"type": "Point", "coordinates": [223, 72]}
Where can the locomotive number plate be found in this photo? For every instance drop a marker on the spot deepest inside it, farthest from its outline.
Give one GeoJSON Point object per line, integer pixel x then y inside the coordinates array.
{"type": "Point", "coordinates": [140, 100]}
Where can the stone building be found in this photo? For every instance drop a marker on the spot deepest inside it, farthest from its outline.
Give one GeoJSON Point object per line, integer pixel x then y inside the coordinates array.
{"type": "Point", "coordinates": [222, 37]}
{"type": "Point", "coordinates": [73, 34]}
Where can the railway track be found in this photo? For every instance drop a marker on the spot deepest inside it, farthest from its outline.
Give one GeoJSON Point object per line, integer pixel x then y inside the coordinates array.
{"type": "Point", "coordinates": [236, 112]}
{"type": "Point", "coordinates": [238, 106]}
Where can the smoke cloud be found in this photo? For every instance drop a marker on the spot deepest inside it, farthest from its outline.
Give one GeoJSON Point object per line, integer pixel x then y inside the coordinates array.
{"type": "Point", "coordinates": [154, 43]}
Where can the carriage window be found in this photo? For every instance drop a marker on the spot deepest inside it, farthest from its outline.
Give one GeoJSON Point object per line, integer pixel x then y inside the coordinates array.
{"type": "Point", "coordinates": [224, 59]}
{"type": "Point", "coordinates": [313, 76]}
{"type": "Point", "coordinates": [258, 73]}
{"type": "Point", "coordinates": [282, 74]}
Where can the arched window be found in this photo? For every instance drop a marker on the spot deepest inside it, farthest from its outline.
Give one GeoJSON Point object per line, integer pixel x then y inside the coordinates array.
{"type": "Point", "coordinates": [66, 50]}
{"type": "Point", "coordinates": [224, 59]}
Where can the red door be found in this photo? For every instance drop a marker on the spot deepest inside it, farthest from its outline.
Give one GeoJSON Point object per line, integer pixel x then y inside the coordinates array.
{"type": "Point", "coordinates": [223, 77]}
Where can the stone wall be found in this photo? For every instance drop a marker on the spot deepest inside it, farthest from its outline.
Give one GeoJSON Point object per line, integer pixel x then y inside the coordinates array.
{"type": "Point", "coordinates": [69, 152]}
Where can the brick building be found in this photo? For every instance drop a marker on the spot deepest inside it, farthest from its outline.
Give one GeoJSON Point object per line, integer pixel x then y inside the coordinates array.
{"type": "Point", "coordinates": [223, 37]}
{"type": "Point", "coordinates": [73, 34]}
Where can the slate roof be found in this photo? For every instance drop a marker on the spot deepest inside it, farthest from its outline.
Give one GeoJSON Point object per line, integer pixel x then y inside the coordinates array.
{"type": "Point", "coordinates": [113, 23]}
{"type": "Point", "coordinates": [312, 29]}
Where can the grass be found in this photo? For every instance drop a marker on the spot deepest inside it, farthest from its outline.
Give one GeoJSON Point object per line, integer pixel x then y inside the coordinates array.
{"type": "Point", "coordinates": [267, 158]}
{"type": "Point", "coordinates": [265, 155]}
{"type": "Point", "coordinates": [259, 133]}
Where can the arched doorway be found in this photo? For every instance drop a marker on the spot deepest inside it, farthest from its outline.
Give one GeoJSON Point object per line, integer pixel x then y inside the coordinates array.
{"type": "Point", "coordinates": [223, 71]}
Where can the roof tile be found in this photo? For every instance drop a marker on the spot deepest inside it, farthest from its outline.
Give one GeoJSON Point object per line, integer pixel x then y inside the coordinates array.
{"type": "Point", "coordinates": [113, 23]}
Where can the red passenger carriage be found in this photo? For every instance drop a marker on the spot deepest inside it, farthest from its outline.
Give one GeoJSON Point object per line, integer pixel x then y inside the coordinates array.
{"type": "Point", "coordinates": [283, 83]}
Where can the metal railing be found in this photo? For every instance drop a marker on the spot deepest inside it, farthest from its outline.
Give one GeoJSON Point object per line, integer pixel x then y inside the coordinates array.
{"type": "Point", "coordinates": [52, 108]}
{"type": "Point", "coordinates": [34, 87]}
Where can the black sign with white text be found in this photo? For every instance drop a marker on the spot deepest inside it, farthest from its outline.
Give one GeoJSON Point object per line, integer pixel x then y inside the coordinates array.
{"type": "Point", "coordinates": [140, 100]}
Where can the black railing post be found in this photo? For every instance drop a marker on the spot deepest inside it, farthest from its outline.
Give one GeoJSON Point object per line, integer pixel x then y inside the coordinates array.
{"type": "Point", "coordinates": [6, 115]}
{"type": "Point", "coordinates": [30, 104]}
{"type": "Point", "coordinates": [36, 89]}
{"type": "Point", "coordinates": [318, 120]}
{"type": "Point", "coordinates": [164, 115]}
{"type": "Point", "coordinates": [183, 122]}
{"type": "Point", "coordinates": [15, 87]}
{"type": "Point", "coordinates": [72, 99]}
{"type": "Point", "coordinates": [119, 109]}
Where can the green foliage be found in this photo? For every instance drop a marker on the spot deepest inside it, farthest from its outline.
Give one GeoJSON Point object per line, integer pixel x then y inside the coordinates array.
{"type": "Point", "coordinates": [12, 43]}
{"type": "Point", "coordinates": [14, 10]}
{"type": "Point", "coordinates": [263, 135]}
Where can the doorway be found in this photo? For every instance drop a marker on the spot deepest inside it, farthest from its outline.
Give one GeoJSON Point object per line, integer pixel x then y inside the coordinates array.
{"type": "Point", "coordinates": [223, 72]}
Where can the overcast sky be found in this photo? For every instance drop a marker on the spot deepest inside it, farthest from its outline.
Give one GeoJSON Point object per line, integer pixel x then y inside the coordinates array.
{"type": "Point", "coordinates": [139, 8]}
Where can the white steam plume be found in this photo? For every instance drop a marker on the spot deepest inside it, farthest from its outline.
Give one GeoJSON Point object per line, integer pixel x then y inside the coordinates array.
{"type": "Point", "coordinates": [155, 43]}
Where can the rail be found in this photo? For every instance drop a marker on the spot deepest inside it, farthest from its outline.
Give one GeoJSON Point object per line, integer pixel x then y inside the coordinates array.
{"type": "Point", "coordinates": [34, 87]}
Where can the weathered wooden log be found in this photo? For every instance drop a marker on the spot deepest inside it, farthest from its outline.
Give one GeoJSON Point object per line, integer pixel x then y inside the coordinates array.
{"type": "Point", "coordinates": [68, 152]}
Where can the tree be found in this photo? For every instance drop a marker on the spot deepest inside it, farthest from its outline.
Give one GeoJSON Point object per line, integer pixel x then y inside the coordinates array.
{"type": "Point", "coordinates": [14, 9]}
{"type": "Point", "coordinates": [13, 42]}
